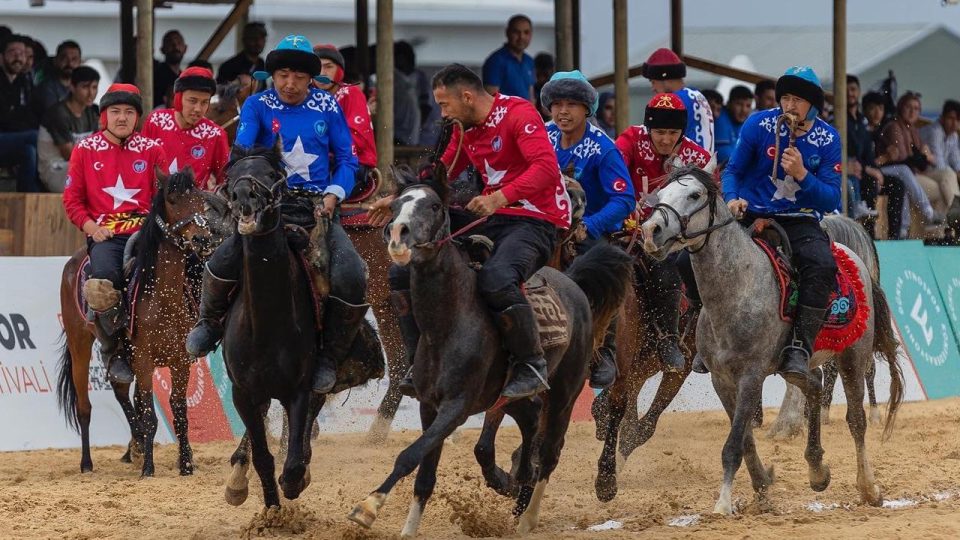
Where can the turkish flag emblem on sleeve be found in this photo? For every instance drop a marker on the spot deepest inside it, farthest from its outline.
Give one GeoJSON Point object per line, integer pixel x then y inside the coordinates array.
{"type": "Point", "coordinates": [275, 126]}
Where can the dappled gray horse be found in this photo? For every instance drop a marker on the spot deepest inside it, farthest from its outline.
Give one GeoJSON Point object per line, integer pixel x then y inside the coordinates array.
{"type": "Point", "coordinates": [740, 333]}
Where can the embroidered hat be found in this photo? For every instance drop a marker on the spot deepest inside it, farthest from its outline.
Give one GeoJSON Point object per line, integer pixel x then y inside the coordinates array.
{"type": "Point", "coordinates": [570, 85]}
{"type": "Point", "coordinates": [295, 53]}
{"type": "Point", "coordinates": [663, 65]}
{"type": "Point", "coordinates": [665, 111]}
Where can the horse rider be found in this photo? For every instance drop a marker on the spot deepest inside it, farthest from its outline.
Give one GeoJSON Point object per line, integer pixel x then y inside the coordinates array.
{"type": "Point", "coordinates": [311, 127]}
{"type": "Point", "coordinates": [806, 186]}
{"type": "Point", "coordinates": [598, 166]}
{"type": "Point", "coordinates": [354, 105]}
{"type": "Point", "coordinates": [651, 151]}
{"type": "Point", "coordinates": [110, 184]}
{"type": "Point", "coordinates": [188, 138]}
{"type": "Point", "coordinates": [665, 71]}
{"type": "Point", "coordinates": [524, 200]}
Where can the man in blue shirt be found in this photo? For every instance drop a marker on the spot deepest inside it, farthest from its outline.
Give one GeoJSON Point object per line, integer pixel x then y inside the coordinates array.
{"type": "Point", "coordinates": [585, 152]}
{"type": "Point", "coordinates": [731, 118]}
{"type": "Point", "coordinates": [665, 71]}
{"type": "Point", "coordinates": [509, 70]}
{"type": "Point", "coordinates": [806, 186]}
{"type": "Point", "coordinates": [311, 128]}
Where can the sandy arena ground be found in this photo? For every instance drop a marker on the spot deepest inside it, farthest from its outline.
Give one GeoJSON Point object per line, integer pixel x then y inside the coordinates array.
{"type": "Point", "coordinates": [42, 494]}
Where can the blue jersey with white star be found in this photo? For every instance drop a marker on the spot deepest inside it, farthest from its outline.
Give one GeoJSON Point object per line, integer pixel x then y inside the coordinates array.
{"type": "Point", "coordinates": [311, 132]}
{"type": "Point", "coordinates": [747, 175]}
{"type": "Point", "coordinates": [599, 168]}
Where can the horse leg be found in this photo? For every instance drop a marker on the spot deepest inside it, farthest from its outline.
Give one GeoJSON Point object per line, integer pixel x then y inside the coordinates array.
{"type": "Point", "coordinates": [870, 377]}
{"type": "Point", "coordinates": [143, 401]}
{"type": "Point", "coordinates": [830, 371]}
{"type": "Point", "coordinates": [295, 467]}
{"type": "Point", "coordinates": [449, 415]}
{"type": "Point", "coordinates": [638, 433]}
{"type": "Point", "coordinates": [740, 403]}
{"type": "Point", "coordinates": [236, 490]}
{"type": "Point", "coordinates": [605, 485]}
{"type": "Point", "coordinates": [426, 476]}
{"type": "Point", "coordinates": [180, 377]}
{"type": "Point", "coordinates": [600, 411]}
{"type": "Point", "coordinates": [316, 403]}
{"type": "Point", "coordinates": [485, 453]}
{"type": "Point", "coordinates": [789, 422]}
{"type": "Point", "coordinates": [252, 415]}
{"type": "Point", "coordinates": [819, 472]}
{"type": "Point", "coordinates": [853, 381]}
{"type": "Point", "coordinates": [80, 375]}
{"type": "Point", "coordinates": [121, 392]}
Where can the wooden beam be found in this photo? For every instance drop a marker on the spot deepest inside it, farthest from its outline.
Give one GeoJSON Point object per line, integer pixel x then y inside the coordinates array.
{"type": "Point", "coordinates": [840, 90]}
{"type": "Point", "coordinates": [238, 35]}
{"type": "Point", "coordinates": [363, 39]}
{"type": "Point", "coordinates": [563, 32]}
{"type": "Point", "coordinates": [128, 51]}
{"type": "Point", "coordinates": [145, 52]}
{"type": "Point", "coordinates": [384, 119]}
{"type": "Point", "coordinates": [235, 15]}
{"type": "Point", "coordinates": [621, 59]}
{"type": "Point", "coordinates": [575, 18]}
{"type": "Point", "coordinates": [676, 26]}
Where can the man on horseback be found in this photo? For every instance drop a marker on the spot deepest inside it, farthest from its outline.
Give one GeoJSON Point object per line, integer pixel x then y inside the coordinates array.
{"type": "Point", "coordinates": [594, 162]}
{"type": "Point", "coordinates": [109, 187]}
{"type": "Point", "coordinates": [311, 127]}
{"type": "Point", "coordinates": [188, 138]}
{"type": "Point", "coordinates": [804, 187]}
{"type": "Point", "coordinates": [354, 104]}
{"type": "Point", "coordinates": [524, 202]}
{"type": "Point", "coordinates": [651, 151]}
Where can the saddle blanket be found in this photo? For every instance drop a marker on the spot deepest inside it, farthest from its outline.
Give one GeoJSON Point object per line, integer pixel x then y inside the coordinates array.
{"type": "Point", "coordinates": [551, 315]}
{"type": "Point", "coordinates": [847, 309]}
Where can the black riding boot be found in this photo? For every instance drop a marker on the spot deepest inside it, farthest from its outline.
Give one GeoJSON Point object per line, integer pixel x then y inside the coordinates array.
{"type": "Point", "coordinates": [528, 368]}
{"type": "Point", "coordinates": [109, 326]}
{"type": "Point", "coordinates": [341, 322]}
{"type": "Point", "coordinates": [214, 301]}
{"type": "Point", "coordinates": [410, 333]}
{"type": "Point", "coordinates": [665, 308]}
{"type": "Point", "coordinates": [795, 357]}
{"type": "Point", "coordinates": [604, 370]}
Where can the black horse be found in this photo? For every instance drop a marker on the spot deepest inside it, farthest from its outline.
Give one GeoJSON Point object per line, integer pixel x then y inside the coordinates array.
{"type": "Point", "coordinates": [461, 366]}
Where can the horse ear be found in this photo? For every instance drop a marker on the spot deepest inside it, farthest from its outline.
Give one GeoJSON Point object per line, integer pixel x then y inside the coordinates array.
{"type": "Point", "coordinates": [403, 177]}
{"type": "Point", "coordinates": [278, 148]}
{"type": "Point", "coordinates": [440, 183]}
{"type": "Point", "coordinates": [161, 178]}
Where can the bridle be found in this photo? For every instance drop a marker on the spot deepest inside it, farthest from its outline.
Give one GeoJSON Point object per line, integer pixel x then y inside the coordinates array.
{"type": "Point", "coordinates": [665, 210]}
{"type": "Point", "coordinates": [442, 236]}
{"type": "Point", "coordinates": [172, 232]}
{"type": "Point", "coordinates": [272, 195]}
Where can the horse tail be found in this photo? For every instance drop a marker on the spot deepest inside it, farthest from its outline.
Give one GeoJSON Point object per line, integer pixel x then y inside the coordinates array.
{"type": "Point", "coordinates": [603, 273]}
{"type": "Point", "coordinates": [885, 344]}
{"type": "Point", "coordinates": [66, 390]}
{"type": "Point", "coordinates": [850, 233]}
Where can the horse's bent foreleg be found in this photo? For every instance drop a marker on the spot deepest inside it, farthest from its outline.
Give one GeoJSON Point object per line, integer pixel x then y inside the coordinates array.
{"type": "Point", "coordinates": [252, 416]}
{"type": "Point", "coordinates": [295, 467]}
{"type": "Point", "coordinates": [448, 417]}
{"type": "Point", "coordinates": [638, 433]}
{"type": "Point", "coordinates": [180, 377]}
{"type": "Point", "coordinates": [857, 422]}
{"type": "Point", "coordinates": [485, 453]}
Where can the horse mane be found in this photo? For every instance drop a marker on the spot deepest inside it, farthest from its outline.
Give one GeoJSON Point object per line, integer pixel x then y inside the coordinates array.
{"type": "Point", "coordinates": [431, 175]}
{"type": "Point", "coordinates": [713, 189]}
{"type": "Point", "coordinates": [150, 236]}
{"type": "Point", "coordinates": [270, 153]}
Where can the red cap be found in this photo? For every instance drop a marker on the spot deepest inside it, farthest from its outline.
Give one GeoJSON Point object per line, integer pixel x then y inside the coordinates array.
{"type": "Point", "coordinates": [664, 64]}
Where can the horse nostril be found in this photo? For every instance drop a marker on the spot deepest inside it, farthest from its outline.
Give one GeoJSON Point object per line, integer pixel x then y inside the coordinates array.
{"type": "Point", "coordinates": [656, 230]}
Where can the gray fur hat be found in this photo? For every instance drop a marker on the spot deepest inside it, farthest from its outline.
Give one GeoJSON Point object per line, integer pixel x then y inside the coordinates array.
{"type": "Point", "coordinates": [570, 85]}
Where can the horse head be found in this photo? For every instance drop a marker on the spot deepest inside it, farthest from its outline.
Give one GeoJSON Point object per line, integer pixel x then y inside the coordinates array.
{"type": "Point", "coordinates": [686, 212]}
{"type": "Point", "coordinates": [183, 220]}
{"type": "Point", "coordinates": [420, 214]}
{"type": "Point", "coordinates": [255, 185]}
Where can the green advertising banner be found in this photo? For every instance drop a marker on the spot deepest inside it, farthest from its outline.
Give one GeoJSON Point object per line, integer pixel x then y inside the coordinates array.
{"type": "Point", "coordinates": [915, 301]}
{"type": "Point", "coordinates": [945, 263]}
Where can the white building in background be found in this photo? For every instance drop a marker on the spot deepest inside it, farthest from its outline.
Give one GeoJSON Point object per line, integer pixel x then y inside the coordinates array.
{"type": "Point", "coordinates": [442, 31]}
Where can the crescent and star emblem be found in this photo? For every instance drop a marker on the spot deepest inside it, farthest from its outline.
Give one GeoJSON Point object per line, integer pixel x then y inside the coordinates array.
{"type": "Point", "coordinates": [97, 165]}
{"type": "Point", "coordinates": [529, 128]}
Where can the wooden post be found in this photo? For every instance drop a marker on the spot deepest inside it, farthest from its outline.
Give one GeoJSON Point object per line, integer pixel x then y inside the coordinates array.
{"type": "Point", "coordinates": [233, 17]}
{"type": "Point", "coordinates": [575, 17]}
{"type": "Point", "coordinates": [145, 52]}
{"type": "Point", "coordinates": [676, 26]}
{"type": "Point", "coordinates": [840, 89]}
{"type": "Point", "coordinates": [620, 60]}
{"type": "Point", "coordinates": [363, 40]}
{"type": "Point", "coordinates": [128, 52]}
{"type": "Point", "coordinates": [384, 126]}
{"type": "Point", "coordinates": [563, 31]}
{"type": "Point", "coordinates": [241, 22]}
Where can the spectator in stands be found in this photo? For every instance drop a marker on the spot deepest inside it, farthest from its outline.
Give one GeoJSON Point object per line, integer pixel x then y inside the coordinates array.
{"type": "Point", "coordinates": [544, 68]}
{"type": "Point", "coordinates": [248, 60]}
{"type": "Point", "coordinates": [165, 73]}
{"type": "Point", "coordinates": [905, 155]}
{"type": "Point", "coordinates": [666, 71]}
{"type": "Point", "coordinates": [715, 99]}
{"type": "Point", "coordinates": [19, 116]}
{"type": "Point", "coordinates": [941, 137]}
{"type": "Point", "coordinates": [407, 99]}
{"type": "Point", "coordinates": [57, 87]}
{"type": "Point", "coordinates": [64, 124]}
{"type": "Point", "coordinates": [765, 94]}
{"type": "Point", "coordinates": [509, 70]}
{"type": "Point", "coordinates": [874, 110]}
{"type": "Point", "coordinates": [727, 128]}
{"type": "Point", "coordinates": [607, 114]}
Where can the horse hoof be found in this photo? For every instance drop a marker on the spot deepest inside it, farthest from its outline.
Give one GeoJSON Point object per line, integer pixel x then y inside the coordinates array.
{"type": "Point", "coordinates": [186, 469]}
{"type": "Point", "coordinates": [125, 458]}
{"type": "Point", "coordinates": [606, 488]}
{"type": "Point", "coordinates": [365, 513]}
{"type": "Point", "coordinates": [235, 497]}
{"type": "Point", "coordinates": [821, 482]}
{"type": "Point", "coordinates": [526, 524]}
{"type": "Point", "coordinates": [723, 509]}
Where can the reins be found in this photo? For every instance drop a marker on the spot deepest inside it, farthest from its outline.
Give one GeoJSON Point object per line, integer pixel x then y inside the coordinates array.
{"type": "Point", "coordinates": [664, 208]}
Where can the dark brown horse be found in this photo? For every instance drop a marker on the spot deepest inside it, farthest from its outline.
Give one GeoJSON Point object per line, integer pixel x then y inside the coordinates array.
{"type": "Point", "coordinates": [173, 232]}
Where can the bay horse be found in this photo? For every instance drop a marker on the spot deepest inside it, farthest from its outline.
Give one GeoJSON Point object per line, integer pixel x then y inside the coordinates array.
{"type": "Point", "coordinates": [740, 297]}
{"type": "Point", "coordinates": [460, 365]}
{"type": "Point", "coordinates": [164, 312]}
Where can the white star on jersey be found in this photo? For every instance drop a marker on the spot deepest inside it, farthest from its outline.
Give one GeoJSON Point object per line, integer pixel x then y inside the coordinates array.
{"type": "Point", "coordinates": [494, 177]}
{"type": "Point", "coordinates": [121, 194]}
{"type": "Point", "coordinates": [787, 188]}
{"type": "Point", "coordinates": [174, 167]}
{"type": "Point", "coordinates": [298, 161]}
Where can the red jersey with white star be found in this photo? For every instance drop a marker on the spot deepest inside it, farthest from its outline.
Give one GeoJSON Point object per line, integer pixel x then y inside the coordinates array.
{"type": "Point", "coordinates": [512, 152]}
{"type": "Point", "coordinates": [648, 169]}
{"type": "Point", "coordinates": [112, 185]}
{"type": "Point", "coordinates": [354, 106]}
{"type": "Point", "coordinates": [203, 147]}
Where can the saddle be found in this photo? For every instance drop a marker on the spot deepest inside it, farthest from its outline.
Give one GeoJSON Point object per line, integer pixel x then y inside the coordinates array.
{"type": "Point", "coordinates": [847, 309]}
{"type": "Point", "coordinates": [353, 212]}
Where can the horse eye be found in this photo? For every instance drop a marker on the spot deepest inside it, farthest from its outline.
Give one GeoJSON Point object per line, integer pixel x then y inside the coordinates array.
{"type": "Point", "coordinates": [695, 197]}
{"type": "Point", "coordinates": [436, 207]}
